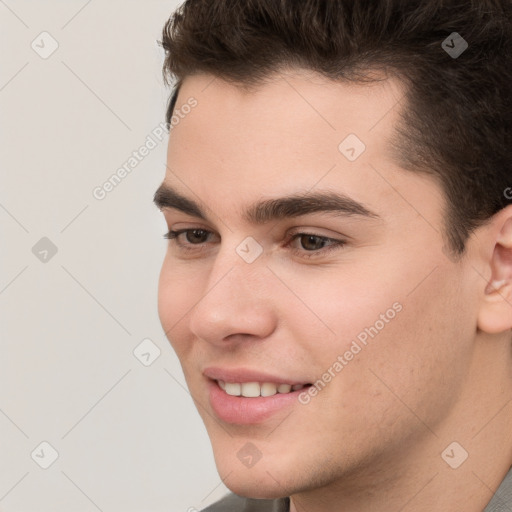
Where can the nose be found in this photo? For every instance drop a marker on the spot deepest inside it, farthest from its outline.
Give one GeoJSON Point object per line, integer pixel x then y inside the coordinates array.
{"type": "Point", "coordinates": [236, 302]}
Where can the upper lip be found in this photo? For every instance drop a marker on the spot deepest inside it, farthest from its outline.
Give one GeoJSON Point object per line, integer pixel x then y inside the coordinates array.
{"type": "Point", "coordinates": [246, 375]}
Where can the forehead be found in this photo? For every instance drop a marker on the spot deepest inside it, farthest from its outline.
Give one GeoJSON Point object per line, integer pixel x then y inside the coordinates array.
{"type": "Point", "coordinates": [298, 131]}
{"type": "Point", "coordinates": [294, 105]}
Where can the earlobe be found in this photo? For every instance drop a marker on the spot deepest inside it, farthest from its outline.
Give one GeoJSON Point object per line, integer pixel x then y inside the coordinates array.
{"type": "Point", "coordinates": [495, 315]}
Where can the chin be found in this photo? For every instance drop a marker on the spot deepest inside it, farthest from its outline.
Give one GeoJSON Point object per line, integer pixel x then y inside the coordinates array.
{"type": "Point", "coordinates": [260, 481]}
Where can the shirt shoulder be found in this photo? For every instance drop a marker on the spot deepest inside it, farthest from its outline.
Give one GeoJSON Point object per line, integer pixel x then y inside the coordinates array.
{"type": "Point", "coordinates": [234, 503]}
{"type": "Point", "coordinates": [502, 499]}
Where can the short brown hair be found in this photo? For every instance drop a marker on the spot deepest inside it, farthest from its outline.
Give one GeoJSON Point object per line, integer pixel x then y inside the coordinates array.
{"type": "Point", "coordinates": [456, 120]}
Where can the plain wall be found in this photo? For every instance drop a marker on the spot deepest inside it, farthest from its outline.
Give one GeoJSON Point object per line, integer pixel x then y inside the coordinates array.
{"type": "Point", "coordinates": [128, 436]}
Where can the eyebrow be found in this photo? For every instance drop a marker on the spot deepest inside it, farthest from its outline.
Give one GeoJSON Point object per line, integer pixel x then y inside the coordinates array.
{"type": "Point", "coordinates": [268, 210]}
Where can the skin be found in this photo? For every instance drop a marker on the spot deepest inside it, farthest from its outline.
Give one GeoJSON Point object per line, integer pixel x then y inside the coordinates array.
{"type": "Point", "coordinates": [439, 372]}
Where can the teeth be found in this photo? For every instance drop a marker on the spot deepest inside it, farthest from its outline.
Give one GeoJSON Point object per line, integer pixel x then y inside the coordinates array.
{"type": "Point", "coordinates": [268, 389]}
{"type": "Point", "coordinates": [251, 389]}
{"type": "Point", "coordinates": [255, 389]}
{"type": "Point", "coordinates": [233, 389]}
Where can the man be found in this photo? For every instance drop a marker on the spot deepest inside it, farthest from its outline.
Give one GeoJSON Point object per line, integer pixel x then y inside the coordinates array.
{"type": "Point", "coordinates": [338, 280]}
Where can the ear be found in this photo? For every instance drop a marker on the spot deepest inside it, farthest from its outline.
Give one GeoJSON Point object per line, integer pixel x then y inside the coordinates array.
{"type": "Point", "coordinates": [495, 315]}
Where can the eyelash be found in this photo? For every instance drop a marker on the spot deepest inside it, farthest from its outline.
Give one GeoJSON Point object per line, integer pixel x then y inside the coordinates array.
{"type": "Point", "coordinates": [334, 244]}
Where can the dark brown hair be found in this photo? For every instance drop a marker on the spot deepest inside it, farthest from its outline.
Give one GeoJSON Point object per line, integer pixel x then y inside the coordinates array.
{"type": "Point", "coordinates": [457, 111]}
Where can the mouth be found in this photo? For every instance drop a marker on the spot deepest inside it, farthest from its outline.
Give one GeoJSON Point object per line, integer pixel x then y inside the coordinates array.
{"type": "Point", "coordinates": [246, 398]}
{"type": "Point", "coordinates": [256, 389]}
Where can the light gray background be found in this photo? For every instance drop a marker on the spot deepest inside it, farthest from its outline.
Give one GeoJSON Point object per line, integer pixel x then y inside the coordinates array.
{"type": "Point", "coordinates": [128, 436]}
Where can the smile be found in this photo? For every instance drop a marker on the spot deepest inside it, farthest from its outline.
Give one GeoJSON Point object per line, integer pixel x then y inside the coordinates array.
{"type": "Point", "coordinates": [255, 389]}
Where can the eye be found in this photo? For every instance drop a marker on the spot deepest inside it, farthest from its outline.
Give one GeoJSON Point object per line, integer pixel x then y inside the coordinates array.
{"type": "Point", "coordinates": [311, 242]}
{"type": "Point", "coordinates": [186, 239]}
{"type": "Point", "coordinates": [193, 236]}
{"type": "Point", "coordinates": [314, 244]}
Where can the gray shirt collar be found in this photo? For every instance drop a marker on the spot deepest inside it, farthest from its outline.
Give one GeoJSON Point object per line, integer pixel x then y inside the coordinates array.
{"type": "Point", "coordinates": [502, 499]}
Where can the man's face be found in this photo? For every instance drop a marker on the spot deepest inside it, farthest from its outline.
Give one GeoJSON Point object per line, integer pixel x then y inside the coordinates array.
{"type": "Point", "coordinates": [360, 300]}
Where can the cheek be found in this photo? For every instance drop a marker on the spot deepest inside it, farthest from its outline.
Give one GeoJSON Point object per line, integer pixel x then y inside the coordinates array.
{"type": "Point", "coordinates": [392, 336]}
{"type": "Point", "coordinates": [421, 357]}
{"type": "Point", "coordinates": [338, 308]}
{"type": "Point", "coordinates": [178, 291]}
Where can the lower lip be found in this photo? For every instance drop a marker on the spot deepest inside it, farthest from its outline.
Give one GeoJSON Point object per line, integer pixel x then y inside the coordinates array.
{"type": "Point", "coordinates": [245, 411]}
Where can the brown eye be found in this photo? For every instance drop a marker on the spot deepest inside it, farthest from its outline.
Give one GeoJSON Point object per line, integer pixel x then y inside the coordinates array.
{"type": "Point", "coordinates": [196, 236]}
{"type": "Point", "coordinates": [312, 242]}
{"type": "Point", "coordinates": [311, 245]}
{"type": "Point", "coordinates": [192, 236]}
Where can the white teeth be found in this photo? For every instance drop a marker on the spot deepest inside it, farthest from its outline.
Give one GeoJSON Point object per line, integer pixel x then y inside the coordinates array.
{"type": "Point", "coordinates": [284, 388]}
{"type": "Point", "coordinates": [255, 389]}
{"type": "Point", "coordinates": [250, 389]}
{"type": "Point", "coordinates": [233, 388]}
{"type": "Point", "coordinates": [268, 389]}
